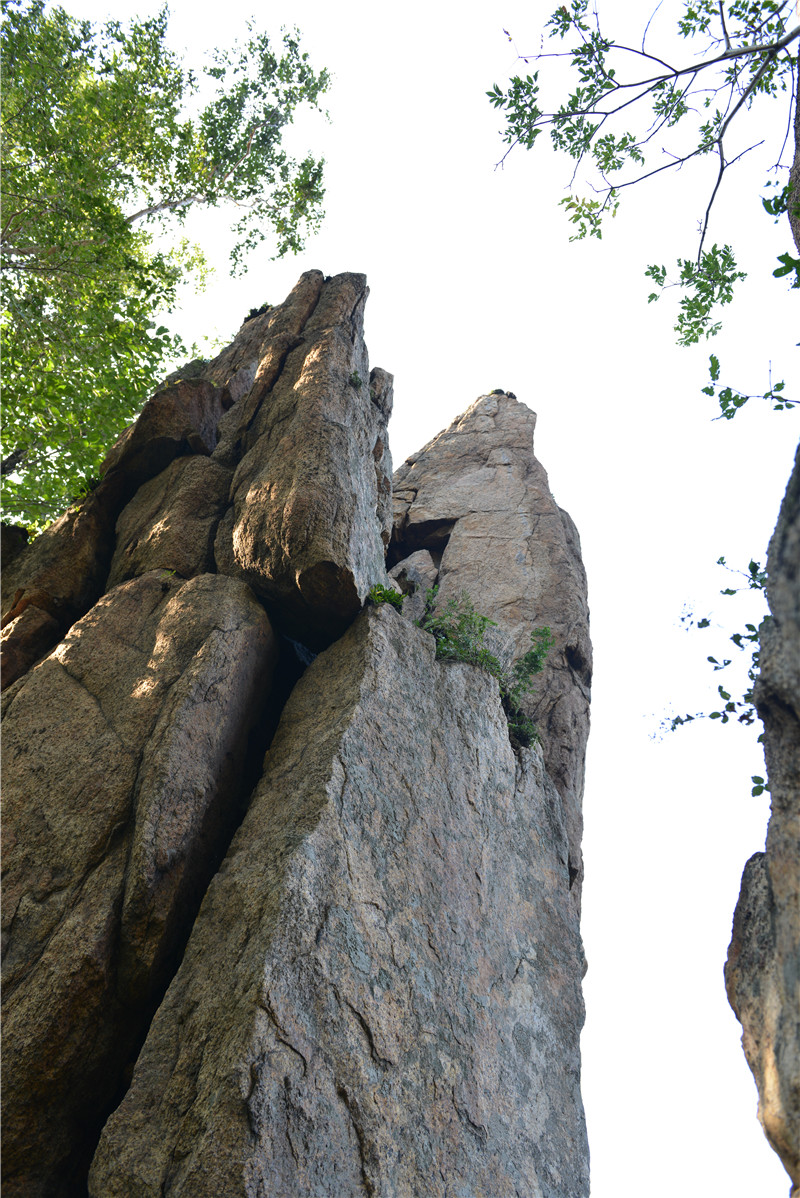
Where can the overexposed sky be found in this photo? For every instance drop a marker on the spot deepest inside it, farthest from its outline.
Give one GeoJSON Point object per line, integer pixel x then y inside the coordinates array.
{"type": "Point", "coordinates": [474, 285]}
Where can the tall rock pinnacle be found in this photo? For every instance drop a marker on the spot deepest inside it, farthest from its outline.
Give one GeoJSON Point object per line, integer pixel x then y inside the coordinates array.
{"type": "Point", "coordinates": [285, 911]}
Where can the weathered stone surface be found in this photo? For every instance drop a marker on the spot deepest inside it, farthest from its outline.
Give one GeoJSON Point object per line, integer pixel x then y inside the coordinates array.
{"type": "Point", "coordinates": [479, 501]}
{"type": "Point", "coordinates": [181, 418]}
{"type": "Point", "coordinates": [25, 638]}
{"type": "Point", "coordinates": [249, 367]}
{"type": "Point", "coordinates": [381, 993]}
{"type": "Point", "coordinates": [763, 969]}
{"type": "Point", "coordinates": [171, 522]}
{"type": "Point", "coordinates": [60, 574]}
{"type": "Point", "coordinates": [124, 763]}
{"type": "Point", "coordinates": [64, 570]}
{"type": "Point", "coordinates": [310, 493]}
{"type": "Point", "coordinates": [415, 575]}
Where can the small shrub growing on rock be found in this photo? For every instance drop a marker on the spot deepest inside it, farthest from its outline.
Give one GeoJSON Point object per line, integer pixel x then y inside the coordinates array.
{"type": "Point", "coordinates": [381, 594]}
{"type": "Point", "coordinates": [459, 632]}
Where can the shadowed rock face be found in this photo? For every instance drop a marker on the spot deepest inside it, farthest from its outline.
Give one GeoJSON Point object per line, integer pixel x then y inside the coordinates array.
{"type": "Point", "coordinates": [124, 753]}
{"type": "Point", "coordinates": [382, 990]}
{"type": "Point", "coordinates": [762, 973]}
{"type": "Point", "coordinates": [478, 500]}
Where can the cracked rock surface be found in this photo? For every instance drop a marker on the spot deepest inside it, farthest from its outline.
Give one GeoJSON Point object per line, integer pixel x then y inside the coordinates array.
{"type": "Point", "coordinates": [373, 986]}
{"type": "Point", "coordinates": [123, 754]}
{"type": "Point", "coordinates": [381, 993]}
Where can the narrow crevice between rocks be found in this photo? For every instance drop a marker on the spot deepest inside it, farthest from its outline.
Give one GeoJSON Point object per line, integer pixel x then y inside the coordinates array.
{"type": "Point", "coordinates": [432, 535]}
{"type": "Point", "coordinates": [293, 660]}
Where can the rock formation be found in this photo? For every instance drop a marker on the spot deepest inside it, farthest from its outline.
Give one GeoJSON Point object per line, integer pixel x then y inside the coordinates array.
{"type": "Point", "coordinates": [350, 965]}
{"type": "Point", "coordinates": [479, 502]}
{"type": "Point", "coordinates": [762, 973]}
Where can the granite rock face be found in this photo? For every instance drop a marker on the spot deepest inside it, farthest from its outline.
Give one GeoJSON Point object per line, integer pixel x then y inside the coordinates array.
{"type": "Point", "coordinates": [478, 501]}
{"type": "Point", "coordinates": [312, 488]}
{"type": "Point", "coordinates": [381, 994]}
{"type": "Point", "coordinates": [762, 973]}
{"type": "Point", "coordinates": [124, 754]}
{"type": "Point", "coordinates": [373, 985]}
{"type": "Point", "coordinates": [297, 501]}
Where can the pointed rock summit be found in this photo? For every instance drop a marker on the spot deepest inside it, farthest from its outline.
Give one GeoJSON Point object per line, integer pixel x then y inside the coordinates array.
{"type": "Point", "coordinates": [478, 501]}
{"type": "Point", "coordinates": [285, 910]}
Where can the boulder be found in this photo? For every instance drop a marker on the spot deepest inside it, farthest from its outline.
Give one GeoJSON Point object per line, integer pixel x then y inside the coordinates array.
{"type": "Point", "coordinates": [479, 502]}
{"type": "Point", "coordinates": [180, 418]}
{"type": "Point", "coordinates": [381, 993]}
{"type": "Point", "coordinates": [56, 578]}
{"type": "Point", "coordinates": [125, 769]}
{"type": "Point", "coordinates": [171, 522]}
{"type": "Point", "coordinates": [762, 973]}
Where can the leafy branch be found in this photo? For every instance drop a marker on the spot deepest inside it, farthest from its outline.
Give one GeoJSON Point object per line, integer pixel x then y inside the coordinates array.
{"type": "Point", "coordinates": [741, 707]}
{"type": "Point", "coordinates": [731, 399]}
{"type": "Point", "coordinates": [747, 56]}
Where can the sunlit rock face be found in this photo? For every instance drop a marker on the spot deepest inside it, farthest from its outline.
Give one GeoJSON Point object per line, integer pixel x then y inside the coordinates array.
{"type": "Point", "coordinates": [311, 490]}
{"type": "Point", "coordinates": [381, 993]}
{"type": "Point", "coordinates": [479, 501]}
{"type": "Point", "coordinates": [277, 923]}
{"type": "Point", "coordinates": [763, 968]}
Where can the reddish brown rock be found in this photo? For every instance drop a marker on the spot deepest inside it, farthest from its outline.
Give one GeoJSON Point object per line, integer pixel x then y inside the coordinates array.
{"type": "Point", "coordinates": [381, 993]}
{"type": "Point", "coordinates": [479, 501]}
{"type": "Point", "coordinates": [64, 570]}
{"type": "Point", "coordinates": [60, 574]}
{"type": "Point", "coordinates": [171, 522]}
{"type": "Point", "coordinates": [762, 973]}
{"type": "Point", "coordinates": [180, 418]}
{"type": "Point", "coordinates": [124, 762]}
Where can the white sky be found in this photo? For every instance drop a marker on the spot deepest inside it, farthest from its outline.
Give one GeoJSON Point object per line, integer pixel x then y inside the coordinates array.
{"type": "Point", "coordinates": [475, 286]}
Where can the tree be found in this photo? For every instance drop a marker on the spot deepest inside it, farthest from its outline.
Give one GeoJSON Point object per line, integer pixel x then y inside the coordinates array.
{"type": "Point", "coordinates": [747, 58]}
{"type": "Point", "coordinates": [101, 156]}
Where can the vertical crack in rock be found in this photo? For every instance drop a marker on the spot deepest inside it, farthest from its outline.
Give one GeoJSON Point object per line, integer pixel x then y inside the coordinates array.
{"type": "Point", "coordinates": [124, 757]}
{"type": "Point", "coordinates": [310, 511]}
{"type": "Point", "coordinates": [762, 973]}
{"type": "Point", "coordinates": [387, 973]}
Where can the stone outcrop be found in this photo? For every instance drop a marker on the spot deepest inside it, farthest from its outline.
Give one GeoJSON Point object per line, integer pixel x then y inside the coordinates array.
{"type": "Point", "coordinates": [291, 411]}
{"type": "Point", "coordinates": [311, 492]}
{"type": "Point", "coordinates": [762, 973]}
{"type": "Point", "coordinates": [381, 994]}
{"type": "Point", "coordinates": [351, 966]}
{"type": "Point", "coordinates": [125, 754]}
{"type": "Point", "coordinates": [478, 501]}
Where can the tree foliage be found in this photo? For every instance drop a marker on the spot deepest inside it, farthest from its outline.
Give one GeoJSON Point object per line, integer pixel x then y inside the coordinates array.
{"type": "Point", "coordinates": [622, 129]}
{"type": "Point", "coordinates": [626, 120]}
{"type": "Point", "coordinates": [102, 155]}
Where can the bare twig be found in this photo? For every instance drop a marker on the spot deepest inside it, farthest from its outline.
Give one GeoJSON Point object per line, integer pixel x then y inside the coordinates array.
{"type": "Point", "coordinates": [647, 26]}
{"type": "Point", "coordinates": [724, 27]}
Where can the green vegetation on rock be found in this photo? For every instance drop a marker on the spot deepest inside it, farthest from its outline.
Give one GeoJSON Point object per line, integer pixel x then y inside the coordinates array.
{"type": "Point", "coordinates": [459, 632]}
